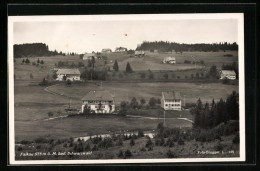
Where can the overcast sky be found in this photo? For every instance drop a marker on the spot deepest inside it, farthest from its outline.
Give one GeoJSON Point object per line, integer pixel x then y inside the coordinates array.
{"type": "Point", "coordinates": [88, 36]}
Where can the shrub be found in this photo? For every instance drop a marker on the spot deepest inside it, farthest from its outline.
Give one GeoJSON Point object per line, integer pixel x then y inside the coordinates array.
{"type": "Point", "coordinates": [119, 142]}
{"type": "Point", "coordinates": [170, 154]}
{"type": "Point", "coordinates": [38, 147]}
{"type": "Point", "coordinates": [50, 114]}
{"type": "Point", "coordinates": [140, 133]}
{"type": "Point", "coordinates": [20, 148]}
{"type": "Point", "coordinates": [132, 142]}
{"type": "Point", "coordinates": [180, 142]}
{"type": "Point", "coordinates": [120, 154]}
{"type": "Point", "coordinates": [128, 154]}
{"type": "Point", "coordinates": [236, 139]}
{"type": "Point", "coordinates": [142, 149]}
{"type": "Point", "coordinates": [41, 140]}
{"type": "Point", "coordinates": [149, 143]}
{"type": "Point", "coordinates": [68, 82]}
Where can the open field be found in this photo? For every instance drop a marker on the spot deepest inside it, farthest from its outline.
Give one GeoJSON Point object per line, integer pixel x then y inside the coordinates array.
{"type": "Point", "coordinates": [126, 91]}
{"type": "Point", "coordinates": [79, 126]}
{"type": "Point", "coordinates": [32, 102]}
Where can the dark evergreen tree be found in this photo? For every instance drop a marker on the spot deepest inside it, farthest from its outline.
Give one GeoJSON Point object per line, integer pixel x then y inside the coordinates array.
{"type": "Point", "coordinates": [232, 104]}
{"type": "Point", "coordinates": [115, 67]}
{"type": "Point", "coordinates": [128, 68]}
{"type": "Point", "coordinates": [134, 103]}
{"type": "Point", "coordinates": [197, 113]}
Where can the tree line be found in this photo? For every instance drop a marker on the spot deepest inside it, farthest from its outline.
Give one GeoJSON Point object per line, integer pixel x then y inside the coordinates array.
{"type": "Point", "coordinates": [166, 46]}
{"type": "Point", "coordinates": [210, 115]}
{"type": "Point", "coordinates": [35, 50]}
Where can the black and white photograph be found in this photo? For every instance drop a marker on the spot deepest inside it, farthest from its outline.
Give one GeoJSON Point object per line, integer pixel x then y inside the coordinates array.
{"type": "Point", "coordinates": [132, 88]}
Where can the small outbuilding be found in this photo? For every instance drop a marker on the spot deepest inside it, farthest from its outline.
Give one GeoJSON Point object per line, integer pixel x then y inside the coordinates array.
{"type": "Point", "coordinates": [68, 74]}
{"type": "Point", "coordinates": [139, 53]}
{"type": "Point", "coordinates": [106, 50]}
{"type": "Point", "coordinates": [169, 60]}
{"type": "Point", "coordinates": [120, 49]}
{"type": "Point", "coordinates": [89, 56]}
{"type": "Point", "coordinates": [227, 74]}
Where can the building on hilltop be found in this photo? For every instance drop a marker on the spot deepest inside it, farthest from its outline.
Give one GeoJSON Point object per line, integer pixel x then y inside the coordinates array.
{"type": "Point", "coordinates": [227, 74]}
{"type": "Point", "coordinates": [169, 60]}
{"type": "Point", "coordinates": [68, 74]}
{"type": "Point", "coordinates": [120, 49]}
{"type": "Point", "coordinates": [106, 50]}
{"type": "Point", "coordinates": [99, 101]}
{"type": "Point", "coordinates": [88, 56]}
{"type": "Point", "coordinates": [139, 53]}
{"type": "Point", "coordinates": [171, 100]}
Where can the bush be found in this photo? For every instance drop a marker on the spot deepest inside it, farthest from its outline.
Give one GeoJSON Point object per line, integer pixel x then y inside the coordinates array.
{"type": "Point", "coordinates": [41, 140]}
{"type": "Point", "coordinates": [128, 154]}
{"type": "Point", "coordinates": [132, 142]}
{"type": "Point", "coordinates": [180, 142]}
{"type": "Point", "coordinates": [50, 114]}
{"type": "Point", "coordinates": [140, 133]}
{"type": "Point", "coordinates": [142, 149]}
{"type": "Point", "coordinates": [68, 82]}
{"type": "Point", "coordinates": [20, 148]}
{"type": "Point", "coordinates": [170, 154]}
{"type": "Point", "coordinates": [236, 139]}
{"type": "Point", "coordinates": [120, 154]}
{"type": "Point", "coordinates": [149, 143]}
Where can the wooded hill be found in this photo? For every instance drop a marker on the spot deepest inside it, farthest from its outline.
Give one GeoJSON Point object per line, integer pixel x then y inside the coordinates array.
{"type": "Point", "coordinates": [34, 50]}
{"type": "Point", "coordinates": [165, 46]}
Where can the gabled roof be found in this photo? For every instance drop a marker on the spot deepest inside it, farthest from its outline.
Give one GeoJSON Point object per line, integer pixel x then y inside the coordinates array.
{"type": "Point", "coordinates": [169, 58]}
{"type": "Point", "coordinates": [228, 72]}
{"type": "Point", "coordinates": [68, 71]}
{"type": "Point", "coordinates": [89, 55]}
{"type": "Point", "coordinates": [171, 95]}
{"type": "Point", "coordinates": [98, 95]}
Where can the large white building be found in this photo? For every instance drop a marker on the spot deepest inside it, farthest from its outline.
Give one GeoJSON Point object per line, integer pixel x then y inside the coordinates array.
{"type": "Point", "coordinates": [171, 100]}
{"type": "Point", "coordinates": [227, 74]}
{"type": "Point", "coordinates": [99, 101]}
{"type": "Point", "coordinates": [70, 74]}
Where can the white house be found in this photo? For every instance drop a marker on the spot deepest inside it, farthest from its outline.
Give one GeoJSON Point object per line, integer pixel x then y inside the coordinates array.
{"type": "Point", "coordinates": [88, 56]}
{"type": "Point", "coordinates": [171, 100]}
{"type": "Point", "coordinates": [169, 60]}
{"type": "Point", "coordinates": [70, 74]}
{"type": "Point", "coordinates": [139, 53]}
{"type": "Point", "coordinates": [106, 50]}
{"type": "Point", "coordinates": [120, 49]}
{"type": "Point", "coordinates": [227, 74]}
{"type": "Point", "coordinates": [99, 101]}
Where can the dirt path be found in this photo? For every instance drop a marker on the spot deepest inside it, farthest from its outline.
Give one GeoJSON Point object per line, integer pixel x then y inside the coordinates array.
{"type": "Point", "coordinates": [154, 118]}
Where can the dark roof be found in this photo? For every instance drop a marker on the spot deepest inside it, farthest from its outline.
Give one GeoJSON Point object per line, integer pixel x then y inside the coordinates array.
{"type": "Point", "coordinates": [169, 95]}
{"type": "Point", "coordinates": [68, 71]}
{"type": "Point", "coordinates": [98, 95]}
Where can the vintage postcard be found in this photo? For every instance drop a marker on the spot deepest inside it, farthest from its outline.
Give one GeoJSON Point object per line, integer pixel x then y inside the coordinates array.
{"type": "Point", "coordinates": [137, 88]}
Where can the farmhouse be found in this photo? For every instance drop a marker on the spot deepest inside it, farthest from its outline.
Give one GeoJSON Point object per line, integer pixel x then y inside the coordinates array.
{"type": "Point", "coordinates": [227, 74]}
{"type": "Point", "coordinates": [169, 60]}
{"type": "Point", "coordinates": [68, 74]}
{"type": "Point", "coordinates": [88, 56]}
{"type": "Point", "coordinates": [99, 101]}
{"type": "Point", "coordinates": [106, 50]}
{"type": "Point", "coordinates": [171, 100]}
{"type": "Point", "coordinates": [139, 53]}
{"type": "Point", "coordinates": [120, 49]}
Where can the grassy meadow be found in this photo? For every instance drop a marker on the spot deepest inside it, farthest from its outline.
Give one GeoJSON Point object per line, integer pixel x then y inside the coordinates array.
{"type": "Point", "coordinates": [32, 102]}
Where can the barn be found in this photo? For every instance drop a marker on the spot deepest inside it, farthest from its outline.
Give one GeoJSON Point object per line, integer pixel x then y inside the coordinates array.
{"type": "Point", "coordinates": [68, 74]}
{"type": "Point", "coordinates": [99, 101]}
{"type": "Point", "coordinates": [171, 100]}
